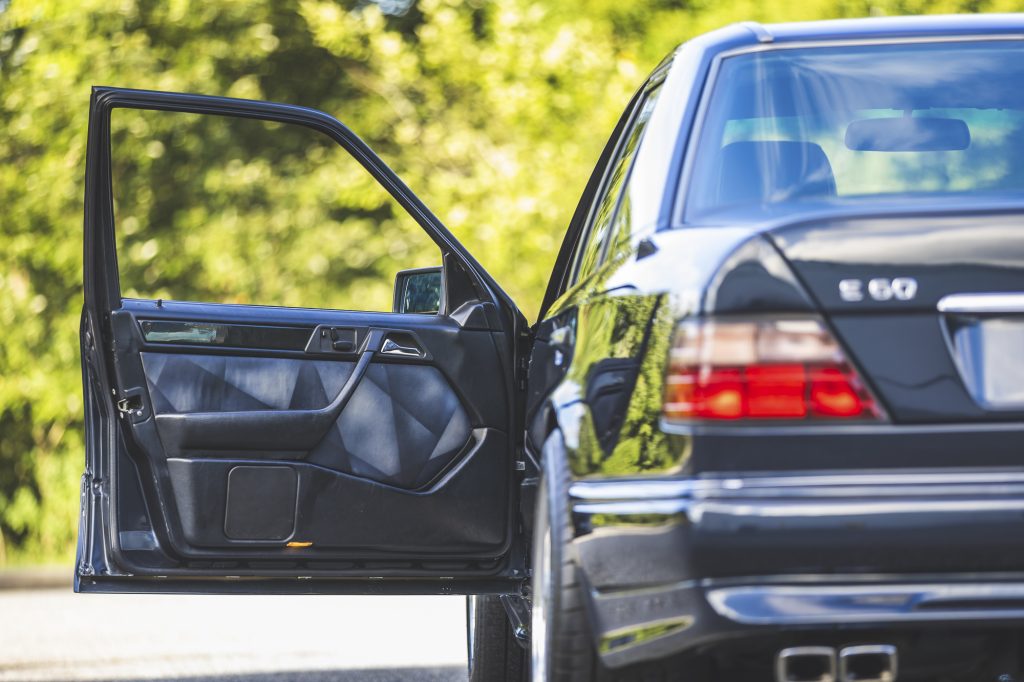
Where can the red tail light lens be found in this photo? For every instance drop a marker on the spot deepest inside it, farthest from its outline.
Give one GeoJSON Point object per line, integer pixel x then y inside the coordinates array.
{"type": "Point", "coordinates": [758, 370]}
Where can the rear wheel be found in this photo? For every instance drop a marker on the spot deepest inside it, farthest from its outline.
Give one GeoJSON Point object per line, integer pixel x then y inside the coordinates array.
{"type": "Point", "coordinates": [562, 640]}
{"type": "Point", "coordinates": [562, 645]}
{"type": "Point", "coordinates": [562, 648]}
{"type": "Point", "coordinates": [494, 654]}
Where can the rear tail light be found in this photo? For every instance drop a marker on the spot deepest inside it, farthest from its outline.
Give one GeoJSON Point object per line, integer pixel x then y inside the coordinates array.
{"type": "Point", "coordinates": [762, 370]}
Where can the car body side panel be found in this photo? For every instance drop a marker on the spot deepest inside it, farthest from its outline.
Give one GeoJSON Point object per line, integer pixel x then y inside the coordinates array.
{"type": "Point", "coordinates": [624, 328]}
{"type": "Point", "coordinates": [666, 514]}
{"type": "Point", "coordinates": [623, 281]}
{"type": "Point", "coordinates": [681, 272]}
{"type": "Point", "coordinates": [968, 498]}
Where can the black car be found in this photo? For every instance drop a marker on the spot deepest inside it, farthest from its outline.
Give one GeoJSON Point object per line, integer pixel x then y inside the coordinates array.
{"type": "Point", "coordinates": [769, 424]}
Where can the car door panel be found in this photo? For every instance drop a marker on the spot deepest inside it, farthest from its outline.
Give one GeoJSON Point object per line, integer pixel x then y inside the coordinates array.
{"type": "Point", "coordinates": [233, 440]}
{"type": "Point", "coordinates": [351, 430]}
{"type": "Point", "coordinates": [401, 437]}
{"type": "Point", "coordinates": [340, 514]}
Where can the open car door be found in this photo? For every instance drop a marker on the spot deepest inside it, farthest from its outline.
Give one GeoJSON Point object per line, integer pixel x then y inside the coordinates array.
{"type": "Point", "coordinates": [246, 448]}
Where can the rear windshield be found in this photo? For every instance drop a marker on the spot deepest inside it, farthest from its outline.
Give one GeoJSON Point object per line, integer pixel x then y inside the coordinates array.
{"type": "Point", "coordinates": [795, 130]}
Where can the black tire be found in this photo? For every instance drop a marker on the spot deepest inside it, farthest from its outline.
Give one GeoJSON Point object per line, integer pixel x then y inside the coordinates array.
{"type": "Point", "coordinates": [563, 649]}
{"type": "Point", "coordinates": [494, 655]}
{"type": "Point", "coordinates": [563, 643]}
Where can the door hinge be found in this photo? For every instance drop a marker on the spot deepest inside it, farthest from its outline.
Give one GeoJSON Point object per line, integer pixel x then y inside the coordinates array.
{"type": "Point", "coordinates": [525, 351]}
{"type": "Point", "coordinates": [523, 372]}
{"type": "Point", "coordinates": [519, 615]}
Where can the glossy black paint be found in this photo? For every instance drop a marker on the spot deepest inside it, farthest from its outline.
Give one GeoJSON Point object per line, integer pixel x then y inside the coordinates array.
{"type": "Point", "coordinates": [669, 515]}
{"type": "Point", "coordinates": [647, 549]}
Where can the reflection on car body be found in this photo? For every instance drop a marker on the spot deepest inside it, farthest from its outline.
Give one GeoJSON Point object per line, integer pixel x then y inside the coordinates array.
{"type": "Point", "coordinates": [768, 424]}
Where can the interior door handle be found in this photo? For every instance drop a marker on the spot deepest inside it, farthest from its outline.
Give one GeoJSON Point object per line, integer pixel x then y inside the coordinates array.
{"type": "Point", "coordinates": [391, 347]}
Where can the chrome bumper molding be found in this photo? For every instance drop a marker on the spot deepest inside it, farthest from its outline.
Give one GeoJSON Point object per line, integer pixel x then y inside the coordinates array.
{"type": "Point", "coordinates": [982, 303]}
{"type": "Point", "coordinates": [879, 604]}
{"type": "Point", "coordinates": [838, 493]}
{"type": "Point", "coordinates": [606, 490]}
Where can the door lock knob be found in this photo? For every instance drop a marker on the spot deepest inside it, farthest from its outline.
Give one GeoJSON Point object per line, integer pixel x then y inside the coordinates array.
{"type": "Point", "coordinates": [343, 340]}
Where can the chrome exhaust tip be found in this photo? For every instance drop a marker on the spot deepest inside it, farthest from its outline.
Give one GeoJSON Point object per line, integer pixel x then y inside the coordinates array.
{"type": "Point", "coordinates": [806, 664]}
{"type": "Point", "coordinates": [870, 663]}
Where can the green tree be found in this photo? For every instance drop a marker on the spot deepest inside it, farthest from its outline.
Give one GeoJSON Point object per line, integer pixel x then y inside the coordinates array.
{"type": "Point", "coordinates": [493, 112]}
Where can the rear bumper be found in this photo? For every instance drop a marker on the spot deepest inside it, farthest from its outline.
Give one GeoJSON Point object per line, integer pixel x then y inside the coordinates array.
{"type": "Point", "coordinates": [680, 565]}
{"type": "Point", "coordinates": [852, 604]}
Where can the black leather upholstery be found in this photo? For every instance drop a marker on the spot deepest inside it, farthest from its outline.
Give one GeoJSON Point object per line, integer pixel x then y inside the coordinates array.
{"type": "Point", "coordinates": [180, 384]}
{"type": "Point", "coordinates": [402, 425]}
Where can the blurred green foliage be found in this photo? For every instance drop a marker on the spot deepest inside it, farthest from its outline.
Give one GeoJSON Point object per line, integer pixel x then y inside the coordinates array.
{"type": "Point", "coordinates": [493, 112]}
{"type": "Point", "coordinates": [235, 210]}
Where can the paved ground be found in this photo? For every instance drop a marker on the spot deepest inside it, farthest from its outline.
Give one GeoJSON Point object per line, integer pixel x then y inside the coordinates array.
{"type": "Point", "coordinates": [52, 634]}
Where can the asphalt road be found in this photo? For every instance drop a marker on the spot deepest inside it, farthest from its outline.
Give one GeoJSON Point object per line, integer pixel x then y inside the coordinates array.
{"type": "Point", "coordinates": [53, 634]}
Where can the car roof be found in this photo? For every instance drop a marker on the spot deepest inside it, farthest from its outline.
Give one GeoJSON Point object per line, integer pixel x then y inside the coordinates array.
{"type": "Point", "coordinates": [890, 27]}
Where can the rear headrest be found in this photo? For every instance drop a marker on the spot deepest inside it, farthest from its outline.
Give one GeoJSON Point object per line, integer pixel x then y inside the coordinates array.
{"type": "Point", "coordinates": [761, 172]}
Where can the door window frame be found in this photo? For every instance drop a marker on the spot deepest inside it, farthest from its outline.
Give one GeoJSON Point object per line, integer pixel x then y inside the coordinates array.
{"type": "Point", "coordinates": [565, 271]}
{"type": "Point", "coordinates": [583, 245]}
{"type": "Point", "coordinates": [101, 274]}
{"type": "Point", "coordinates": [650, 96]}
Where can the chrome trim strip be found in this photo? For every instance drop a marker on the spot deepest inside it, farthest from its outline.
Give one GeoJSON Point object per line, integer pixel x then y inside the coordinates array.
{"type": "Point", "coordinates": [837, 429]}
{"type": "Point", "coordinates": [760, 32]}
{"type": "Point", "coordinates": [895, 478]}
{"type": "Point", "coordinates": [821, 496]}
{"type": "Point", "coordinates": [634, 508]}
{"type": "Point", "coordinates": [1009, 302]}
{"type": "Point", "coordinates": [902, 482]}
{"type": "Point", "coordinates": [905, 491]}
{"type": "Point", "coordinates": [822, 508]}
{"type": "Point", "coordinates": [806, 508]}
{"type": "Point", "coordinates": [606, 491]}
{"type": "Point", "coordinates": [793, 605]}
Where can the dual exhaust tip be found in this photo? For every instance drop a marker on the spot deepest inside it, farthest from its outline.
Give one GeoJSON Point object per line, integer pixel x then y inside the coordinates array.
{"type": "Point", "coordinates": [868, 663]}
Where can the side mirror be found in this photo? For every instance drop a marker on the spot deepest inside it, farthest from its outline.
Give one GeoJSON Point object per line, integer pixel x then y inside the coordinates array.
{"type": "Point", "coordinates": [418, 291]}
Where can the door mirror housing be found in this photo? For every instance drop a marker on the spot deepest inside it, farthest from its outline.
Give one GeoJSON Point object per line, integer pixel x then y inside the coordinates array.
{"type": "Point", "coordinates": [419, 290]}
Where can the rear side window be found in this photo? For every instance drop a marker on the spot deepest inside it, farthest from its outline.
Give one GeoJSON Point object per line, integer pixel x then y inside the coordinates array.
{"type": "Point", "coordinates": [792, 130]}
{"type": "Point", "coordinates": [234, 210]}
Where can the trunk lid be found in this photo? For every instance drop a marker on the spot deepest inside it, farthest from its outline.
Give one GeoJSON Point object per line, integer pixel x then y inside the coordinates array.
{"type": "Point", "coordinates": [881, 282]}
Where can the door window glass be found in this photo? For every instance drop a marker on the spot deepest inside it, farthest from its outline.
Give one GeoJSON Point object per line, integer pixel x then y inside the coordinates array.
{"type": "Point", "coordinates": [604, 212]}
{"type": "Point", "coordinates": [619, 240]}
{"type": "Point", "coordinates": [238, 210]}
